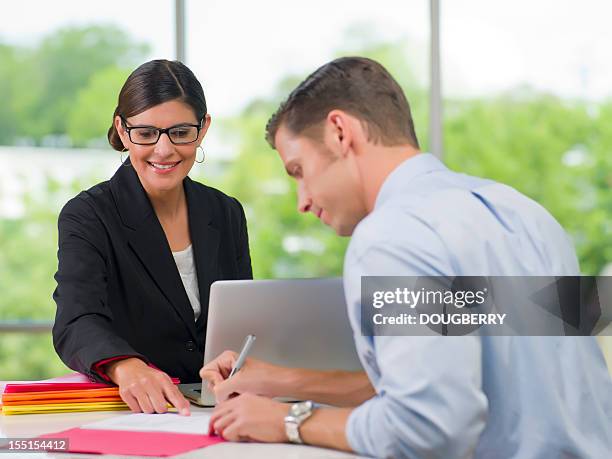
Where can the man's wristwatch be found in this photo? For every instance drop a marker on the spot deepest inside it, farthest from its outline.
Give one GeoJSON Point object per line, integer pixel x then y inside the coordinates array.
{"type": "Point", "coordinates": [298, 413]}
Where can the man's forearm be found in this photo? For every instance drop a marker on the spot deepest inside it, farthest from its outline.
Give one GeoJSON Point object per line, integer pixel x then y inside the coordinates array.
{"type": "Point", "coordinates": [338, 388]}
{"type": "Point", "coordinates": [327, 427]}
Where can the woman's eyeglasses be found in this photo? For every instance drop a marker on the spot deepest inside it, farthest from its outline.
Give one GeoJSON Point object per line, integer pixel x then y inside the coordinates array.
{"type": "Point", "coordinates": [180, 134]}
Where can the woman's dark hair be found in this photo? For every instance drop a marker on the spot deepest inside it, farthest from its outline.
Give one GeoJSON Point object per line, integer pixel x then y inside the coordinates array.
{"type": "Point", "coordinates": [154, 83]}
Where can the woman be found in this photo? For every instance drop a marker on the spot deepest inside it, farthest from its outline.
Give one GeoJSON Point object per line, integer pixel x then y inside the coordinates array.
{"type": "Point", "coordinates": [138, 253]}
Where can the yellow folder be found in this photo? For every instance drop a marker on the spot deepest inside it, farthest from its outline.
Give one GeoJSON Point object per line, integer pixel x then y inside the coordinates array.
{"type": "Point", "coordinates": [63, 408]}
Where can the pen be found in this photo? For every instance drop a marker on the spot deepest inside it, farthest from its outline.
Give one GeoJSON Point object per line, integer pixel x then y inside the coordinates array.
{"type": "Point", "coordinates": [246, 347]}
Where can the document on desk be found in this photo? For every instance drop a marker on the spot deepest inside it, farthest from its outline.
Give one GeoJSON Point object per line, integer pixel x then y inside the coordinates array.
{"type": "Point", "coordinates": [197, 423]}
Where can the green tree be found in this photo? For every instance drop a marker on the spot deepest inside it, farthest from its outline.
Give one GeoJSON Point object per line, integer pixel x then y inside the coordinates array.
{"type": "Point", "coordinates": [43, 84]}
{"type": "Point", "coordinates": [69, 58]}
{"type": "Point", "coordinates": [91, 114]}
{"type": "Point", "coordinates": [28, 246]}
{"type": "Point", "coordinates": [592, 227]}
{"type": "Point", "coordinates": [549, 149]}
{"type": "Point", "coordinates": [8, 123]}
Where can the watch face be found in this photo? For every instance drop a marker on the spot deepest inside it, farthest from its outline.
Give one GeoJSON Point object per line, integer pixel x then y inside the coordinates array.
{"type": "Point", "coordinates": [299, 409]}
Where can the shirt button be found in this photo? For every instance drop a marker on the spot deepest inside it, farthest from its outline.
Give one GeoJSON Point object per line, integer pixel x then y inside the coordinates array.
{"type": "Point", "coordinates": [190, 346]}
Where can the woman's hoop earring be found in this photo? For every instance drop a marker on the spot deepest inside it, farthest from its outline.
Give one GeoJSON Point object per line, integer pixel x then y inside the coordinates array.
{"type": "Point", "coordinates": [121, 157]}
{"type": "Point", "coordinates": [203, 155]}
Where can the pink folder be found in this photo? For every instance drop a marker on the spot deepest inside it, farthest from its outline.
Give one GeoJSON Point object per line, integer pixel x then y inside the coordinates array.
{"type": "Point", "coordinates": [52, 387]}
{"type": "Point", "coordinates": [131, 443]}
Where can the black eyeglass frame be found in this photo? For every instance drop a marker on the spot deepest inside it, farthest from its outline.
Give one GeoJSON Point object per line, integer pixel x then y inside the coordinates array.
{"type": "Point", "coordinates": [161, 131]}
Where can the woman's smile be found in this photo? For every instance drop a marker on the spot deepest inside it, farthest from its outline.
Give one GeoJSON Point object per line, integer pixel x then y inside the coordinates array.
{"type": "Point", "coordinates": [164, 167]}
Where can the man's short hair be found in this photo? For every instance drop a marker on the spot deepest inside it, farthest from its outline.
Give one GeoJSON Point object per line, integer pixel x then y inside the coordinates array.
{"type": "Point", "coordinates": [359, 86]}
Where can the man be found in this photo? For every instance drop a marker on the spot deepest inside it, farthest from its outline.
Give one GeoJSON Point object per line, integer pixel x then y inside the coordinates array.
{"type": "Point", "coordinates": [346, 136]}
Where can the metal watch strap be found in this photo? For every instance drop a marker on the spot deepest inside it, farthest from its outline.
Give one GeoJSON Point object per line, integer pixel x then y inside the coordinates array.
{"type": "Point", "coordinates": [298, 413]}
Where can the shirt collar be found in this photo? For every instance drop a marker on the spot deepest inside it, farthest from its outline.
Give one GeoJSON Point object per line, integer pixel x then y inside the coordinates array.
{"type": "Point", "coordinates": [413, 167]}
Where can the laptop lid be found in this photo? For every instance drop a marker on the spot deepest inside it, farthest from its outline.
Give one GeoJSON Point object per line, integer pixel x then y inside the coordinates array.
{"type": "Point", "coordinates": [299, 323]}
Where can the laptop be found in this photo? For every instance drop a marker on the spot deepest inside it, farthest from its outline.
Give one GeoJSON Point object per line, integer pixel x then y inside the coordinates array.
{"type": "Point", "coordinates": [300, 323]}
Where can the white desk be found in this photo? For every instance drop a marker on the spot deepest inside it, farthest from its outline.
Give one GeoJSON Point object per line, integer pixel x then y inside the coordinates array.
{"type": "Point", "coordinates": [31, 425]}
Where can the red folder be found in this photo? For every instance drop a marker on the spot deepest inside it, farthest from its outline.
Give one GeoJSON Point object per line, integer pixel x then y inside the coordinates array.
{"type": "Point", "coordinates": [72, 381]}
{"type": "Point", "coordinates": [61, 386]}
{"type": "Point", "coordinates": [52, 387]}
{"type": "Point", "coordinates": [131, 443]}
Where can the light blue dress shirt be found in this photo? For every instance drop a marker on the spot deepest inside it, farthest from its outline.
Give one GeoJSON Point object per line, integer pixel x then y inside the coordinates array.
{"type": "Point", "coordinates": [459, 397]}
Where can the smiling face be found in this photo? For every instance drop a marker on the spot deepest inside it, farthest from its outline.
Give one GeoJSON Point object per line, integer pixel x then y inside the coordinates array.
{"type": "Point", "coordinates": [163, 166]}
{"type": "Point", "coordinates": [328, 184]}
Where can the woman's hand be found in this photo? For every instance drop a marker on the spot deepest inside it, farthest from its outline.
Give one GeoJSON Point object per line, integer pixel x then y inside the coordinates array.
{"type": "Point", "coordinates": [145, 389]}
{"type": "Point", "coordinates": [255, 376]}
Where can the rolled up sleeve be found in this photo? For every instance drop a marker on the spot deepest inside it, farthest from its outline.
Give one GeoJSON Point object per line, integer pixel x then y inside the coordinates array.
{"type": "Point", "coordinates": [428, 404]}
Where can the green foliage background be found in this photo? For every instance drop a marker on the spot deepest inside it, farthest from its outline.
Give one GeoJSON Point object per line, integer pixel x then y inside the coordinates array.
{"type": "Point", "coordinates": [556, 151]}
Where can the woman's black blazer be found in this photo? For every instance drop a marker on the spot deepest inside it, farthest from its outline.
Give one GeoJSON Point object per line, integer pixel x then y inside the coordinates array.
{"type": "Point", "coordinates": [119, 291]}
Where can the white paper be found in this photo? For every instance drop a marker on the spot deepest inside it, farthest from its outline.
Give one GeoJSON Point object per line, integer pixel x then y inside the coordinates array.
{"type": "Point", "coordinates": [197, 423]}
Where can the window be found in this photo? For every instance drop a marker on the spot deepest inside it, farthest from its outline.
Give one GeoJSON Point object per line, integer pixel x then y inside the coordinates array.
{"type": "Point", "coordinates": [61, 66]}
{"type": "Point", "coordinates": [528, 102]}
{"type": "Point", "coordinates": [249, 55]}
